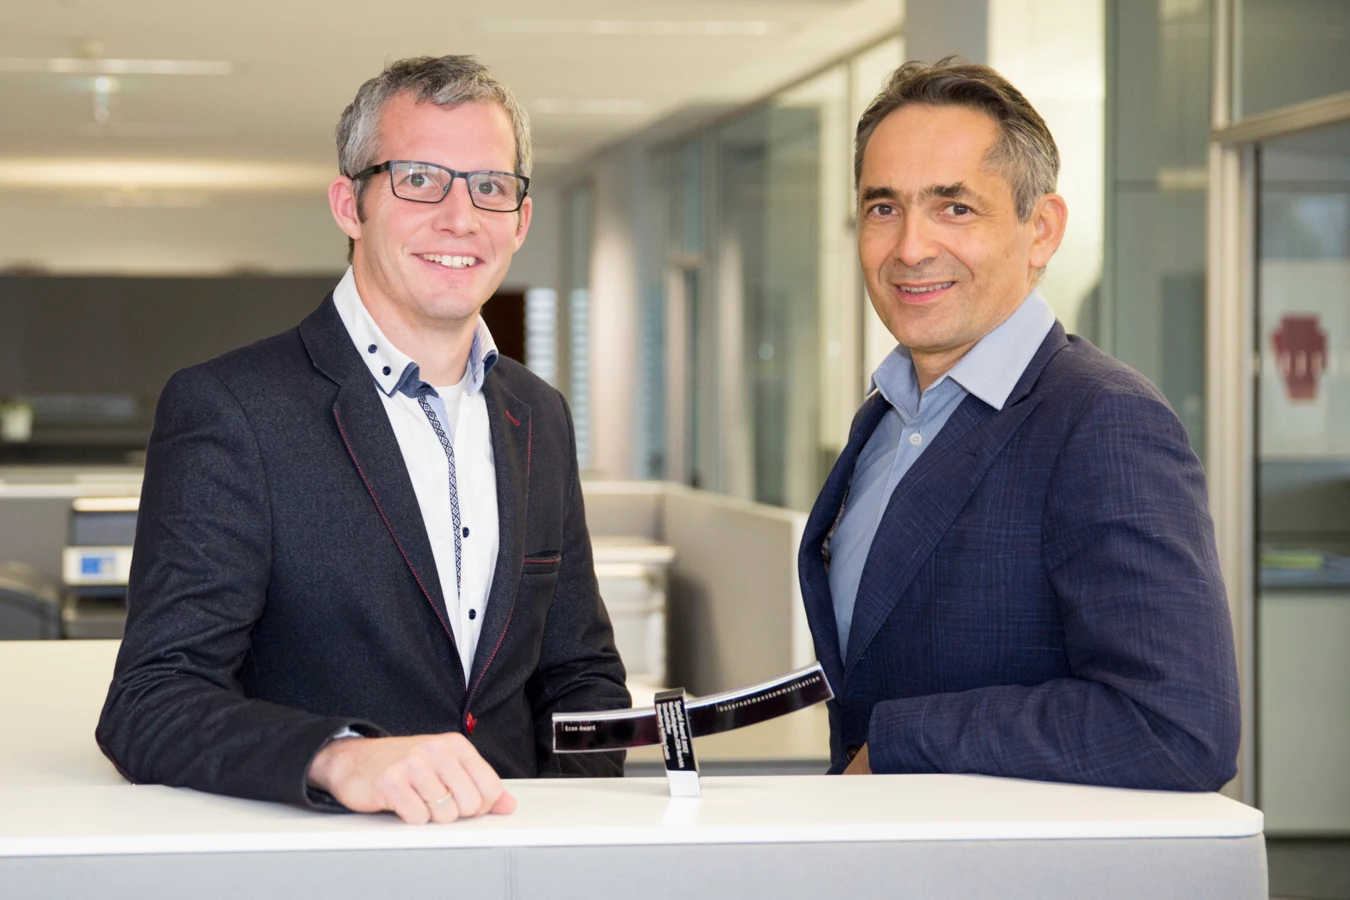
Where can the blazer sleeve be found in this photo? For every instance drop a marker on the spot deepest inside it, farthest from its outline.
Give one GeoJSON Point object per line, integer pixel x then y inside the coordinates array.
{"type": "Point", "coordinates": [1128, 550]}
{"type": "Point", "coordinates": [175, 712]}
{"type": "Point", "coordinates": [579, 667]}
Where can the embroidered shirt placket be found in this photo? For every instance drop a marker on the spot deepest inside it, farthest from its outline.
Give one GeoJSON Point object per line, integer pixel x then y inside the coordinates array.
{"type": "Point", "coordinates": [455, 521]}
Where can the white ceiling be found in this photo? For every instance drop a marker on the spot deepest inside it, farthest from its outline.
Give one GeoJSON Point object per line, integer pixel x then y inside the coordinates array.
{"type": "Point", "coordinates": [296, 64]}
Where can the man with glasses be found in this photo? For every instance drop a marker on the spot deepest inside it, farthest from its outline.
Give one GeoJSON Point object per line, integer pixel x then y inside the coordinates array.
{"type": "Point", "coordinates": [362, 575]}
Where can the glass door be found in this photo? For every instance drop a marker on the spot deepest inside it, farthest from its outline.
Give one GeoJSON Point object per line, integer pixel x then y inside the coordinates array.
{"type": "Point", "coordinates": [1303, 481]}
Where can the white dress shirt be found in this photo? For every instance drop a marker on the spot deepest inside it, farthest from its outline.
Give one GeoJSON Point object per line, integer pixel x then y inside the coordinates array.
{"type": "Point", "coordinates": [462, 412]}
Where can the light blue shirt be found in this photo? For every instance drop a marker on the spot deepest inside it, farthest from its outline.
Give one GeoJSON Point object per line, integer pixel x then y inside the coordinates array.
{"type": "Point", "coordinates": [989, 370]}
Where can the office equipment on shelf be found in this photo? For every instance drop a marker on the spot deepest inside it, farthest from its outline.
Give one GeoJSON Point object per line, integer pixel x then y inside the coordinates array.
{"type": "Point", "coordinates": [632, 574]}
{"type": "Point", "coordinates": [96, 565]}
{"type": "Point", "coordinates": [1285, 568]}
{"type": "Point", "coordinates": [30, 605]}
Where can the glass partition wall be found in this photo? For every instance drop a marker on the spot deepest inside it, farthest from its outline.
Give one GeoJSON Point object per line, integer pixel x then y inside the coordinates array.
{"type": "Point", "coordinates": [1279, 395]}
{"type": "Point", "coordinates": [757, 291]}
{"type": "Point", "coordinates": [1150, 312]}
{"type": "Point", "coordinates": [1303, 480]}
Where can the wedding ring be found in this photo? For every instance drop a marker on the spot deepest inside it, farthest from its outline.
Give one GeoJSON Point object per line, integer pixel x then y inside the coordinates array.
{"type": "Point", "coordinates": [439, 801]}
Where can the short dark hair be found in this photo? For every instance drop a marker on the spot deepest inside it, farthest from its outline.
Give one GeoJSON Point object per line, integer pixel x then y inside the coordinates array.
{"type": "Point", "coordinates": [1025, 151]}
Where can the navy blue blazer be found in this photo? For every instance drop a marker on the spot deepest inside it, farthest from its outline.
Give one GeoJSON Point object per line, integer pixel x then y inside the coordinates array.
{"type": "Point", "coordinates": [1042, 599]}
{"type": "Point", "coordinates": [283, 585]}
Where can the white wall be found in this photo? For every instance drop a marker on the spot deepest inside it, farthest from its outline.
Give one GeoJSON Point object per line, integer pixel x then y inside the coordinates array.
{"type": "Point", "coordinates": [1054, 52]}
{"type": "Point", "coordinates": [615, 433]}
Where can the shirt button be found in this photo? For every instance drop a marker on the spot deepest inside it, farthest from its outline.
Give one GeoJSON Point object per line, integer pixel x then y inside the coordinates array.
{"type": "Point", "coordinates": [387, 370]}
{"type": "Point", "coordinates": [473, 614]}
{"type": "Point", "coordinates": [852, 751]}
{"type": "Point", "coordinates": [372, 348]}
{"type": "Point", "coordinates": [916, 439]}
{"type": "Point", "coordinates": [466, 531]}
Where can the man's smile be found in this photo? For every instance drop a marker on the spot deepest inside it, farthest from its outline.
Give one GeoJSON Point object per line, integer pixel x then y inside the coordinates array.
{"type": "Point", "coordinates": [923, 293]}
{"type": "Point", "coordinates": [450, 261]}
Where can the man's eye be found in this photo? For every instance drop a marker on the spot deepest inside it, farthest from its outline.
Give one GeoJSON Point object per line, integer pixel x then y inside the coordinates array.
{"type": "Point", "coordinates": [959, 209]}
{"type": "Point", "coordinates": [881, 209]}
{"type": "Point", "coordinates": [489, 187]}
{"type": "Point", "coordinates": [417, 179]}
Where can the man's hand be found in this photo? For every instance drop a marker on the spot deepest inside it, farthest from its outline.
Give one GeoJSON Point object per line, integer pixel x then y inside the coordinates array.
{"type": "Point", "coordinates": [859, 764]}
{"type": "Point", "coordinates": [437, 778]}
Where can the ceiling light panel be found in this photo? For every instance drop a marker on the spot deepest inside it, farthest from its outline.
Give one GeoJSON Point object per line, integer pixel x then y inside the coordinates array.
{"type": "Point", "coordinates": [165, 174]}
{"type": "Point", "coordinates": [632, 27]}
{"type": "Point", "coordinates": [67, 66]}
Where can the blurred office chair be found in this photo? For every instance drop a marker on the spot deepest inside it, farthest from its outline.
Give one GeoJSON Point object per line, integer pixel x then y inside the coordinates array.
{"type": "Point", "coordinates": [30, 605]}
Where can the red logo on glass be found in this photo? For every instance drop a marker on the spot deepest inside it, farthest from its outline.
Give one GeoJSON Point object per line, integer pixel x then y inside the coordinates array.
{"type": "Point", "coordinates": [1301, 353]}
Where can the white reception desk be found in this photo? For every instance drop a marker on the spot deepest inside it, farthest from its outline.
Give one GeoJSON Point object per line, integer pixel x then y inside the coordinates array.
{"type": "Point", "coordinates": [71, 827]}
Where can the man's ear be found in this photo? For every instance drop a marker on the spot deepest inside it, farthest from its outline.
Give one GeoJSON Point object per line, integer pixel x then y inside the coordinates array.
{"type": "Point", "coordinates": [1049, 219]}
{"type": "Point", "coordinates": [523, 221]}
{"type": "Point", "coordinates": [342, 202]}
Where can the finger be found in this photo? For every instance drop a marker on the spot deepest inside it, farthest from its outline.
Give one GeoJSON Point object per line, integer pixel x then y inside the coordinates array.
{"type": "Point", "coordinates": [435, 793]}
{"type": "Point", "coordinates": [505, 805]}
{"type": "Point", "coordinates": [406, 802]}
{"type": "Point", "coordinates": [487, 782]}
{"type": "Point", "coordinates": [467, 796]}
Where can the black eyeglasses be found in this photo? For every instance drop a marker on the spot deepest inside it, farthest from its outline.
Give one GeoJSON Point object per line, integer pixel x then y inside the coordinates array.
{"type": "Point", "coordinates": [423, 182]}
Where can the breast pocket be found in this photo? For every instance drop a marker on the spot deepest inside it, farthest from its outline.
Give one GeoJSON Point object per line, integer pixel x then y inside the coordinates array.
{"type": "Point", "coordinates": [543, 564]}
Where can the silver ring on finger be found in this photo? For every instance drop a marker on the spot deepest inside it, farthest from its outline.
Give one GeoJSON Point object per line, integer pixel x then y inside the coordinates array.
{"type": "Point", "coordinates": [442, 800]}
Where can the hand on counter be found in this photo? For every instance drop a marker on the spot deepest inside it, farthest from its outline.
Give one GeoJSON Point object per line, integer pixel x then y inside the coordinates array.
{"type": "Point", "coordinates": [859, 764]}
{"type": "Point", "coordinates": [437, 778]}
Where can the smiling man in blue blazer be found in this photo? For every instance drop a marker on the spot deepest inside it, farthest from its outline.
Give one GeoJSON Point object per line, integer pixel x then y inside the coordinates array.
{"type": "Point", "coordinates": [362, 574]}
{"type": "Point", "coordinates": [1010, 570]}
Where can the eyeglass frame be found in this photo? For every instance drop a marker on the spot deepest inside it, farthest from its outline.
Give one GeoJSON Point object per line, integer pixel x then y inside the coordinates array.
{"type": "Point", "coordinates": [388, 166]}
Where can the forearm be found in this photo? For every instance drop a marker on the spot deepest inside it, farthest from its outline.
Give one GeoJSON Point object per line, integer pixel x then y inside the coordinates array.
{"type": "Point", "coordinates": [1148, 695]}
{"type": "Point", "coordinates": [1069, 729]}
{"type": "Point", "coordinates": [181, 731]}
{"type": "Point", "coordinates": [176, 711]}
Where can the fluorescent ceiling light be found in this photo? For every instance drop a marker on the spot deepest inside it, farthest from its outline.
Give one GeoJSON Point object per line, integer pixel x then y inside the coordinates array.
{"type": "Point", "coordinates": [549, 106]}
{"type": "Point", "coordinates": [662, 27]}
{"type": "Point", "coordinates": [141, 199]}
{"type": "Point", "coordinates": [83, 174]}
{"type": "Point", "coordinates": [116, 129]}
{"type": "Point", "coordinates": [116, 66]}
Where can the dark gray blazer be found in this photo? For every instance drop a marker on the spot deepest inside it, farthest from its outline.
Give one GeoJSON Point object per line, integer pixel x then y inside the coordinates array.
{"type": "Point", "coordinates": [283, 585]}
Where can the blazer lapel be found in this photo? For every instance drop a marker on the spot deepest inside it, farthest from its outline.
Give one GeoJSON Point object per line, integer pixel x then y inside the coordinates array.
{"type": "Point", "coordinates": [811, 560]}
{"type": "Point", "coordinates": [370, 441]}
{"type": "Point", "coordinates": [512, 432]}
{"type": "Point", "coordinates": [933, 492]}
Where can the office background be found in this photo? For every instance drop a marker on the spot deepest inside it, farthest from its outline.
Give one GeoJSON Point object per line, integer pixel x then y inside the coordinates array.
{"type": "Point", "coordinates": [690, 280]}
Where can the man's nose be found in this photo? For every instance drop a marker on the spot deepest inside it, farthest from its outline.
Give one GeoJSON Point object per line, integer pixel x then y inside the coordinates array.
{"type": "Point", "coordinates": [915, 244]}
{"type": "Point", "coordinates": [456, 213]}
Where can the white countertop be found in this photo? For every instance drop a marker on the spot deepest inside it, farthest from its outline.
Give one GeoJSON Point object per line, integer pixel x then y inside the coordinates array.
{"type": "Point", "coordinates": [59, 796]}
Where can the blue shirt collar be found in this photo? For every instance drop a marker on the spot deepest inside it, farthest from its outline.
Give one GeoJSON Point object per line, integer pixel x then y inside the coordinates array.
{"type": "Point", "coordinates": [989, 370]}
{"type": "Point", "coordinates": [393, 370]}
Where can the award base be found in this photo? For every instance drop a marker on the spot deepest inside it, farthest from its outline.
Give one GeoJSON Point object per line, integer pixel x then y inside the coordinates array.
{"type": "Point", "coordinates": [677, 745]}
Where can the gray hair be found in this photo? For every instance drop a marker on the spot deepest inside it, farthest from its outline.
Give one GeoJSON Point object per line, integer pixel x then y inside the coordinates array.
{"type": "Point", "coordinates": [1025, 151]}
{"type": "Point", "coordinates": [445, 81]}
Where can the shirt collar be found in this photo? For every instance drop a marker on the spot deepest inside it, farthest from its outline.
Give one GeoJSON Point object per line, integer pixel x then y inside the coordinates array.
{"type": "Point", "coordinates": [393, 370]}
{"type": "Point", "coordinates": [989, 370]}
